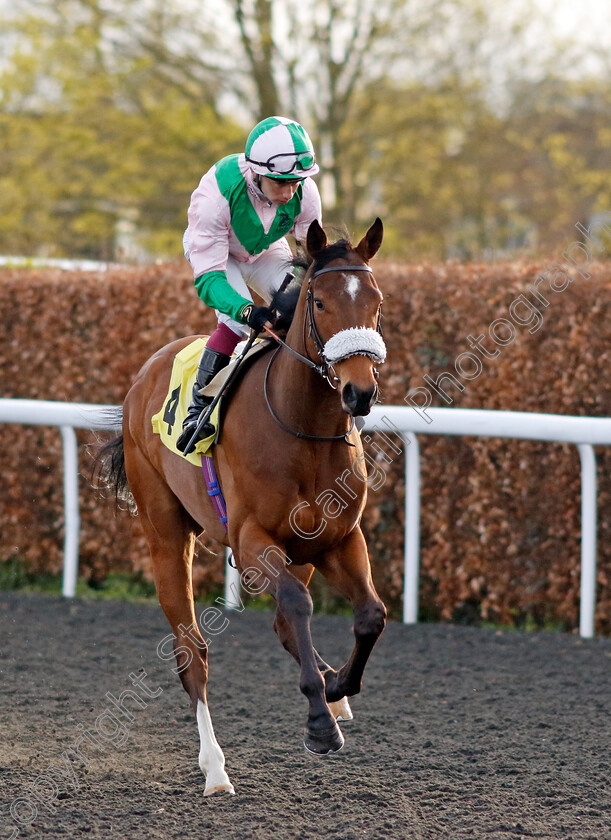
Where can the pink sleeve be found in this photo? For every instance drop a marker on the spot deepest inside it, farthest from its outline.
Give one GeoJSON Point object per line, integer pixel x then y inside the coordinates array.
{"type": "Point", "coordinates": [310, 209]}
{"type": "Point", "coordinates": [209, 225]}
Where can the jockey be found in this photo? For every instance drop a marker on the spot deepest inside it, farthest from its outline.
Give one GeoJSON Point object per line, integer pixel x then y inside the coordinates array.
{"type": "Point", "coordinates": [238, 217]}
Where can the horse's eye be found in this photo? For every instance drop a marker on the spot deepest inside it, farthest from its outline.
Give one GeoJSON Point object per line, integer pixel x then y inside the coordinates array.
{"type": "Point", "coordinates": [319, 304]}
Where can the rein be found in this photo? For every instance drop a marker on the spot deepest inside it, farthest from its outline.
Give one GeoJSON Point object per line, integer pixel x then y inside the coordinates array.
{"type": "Point", "coordinates": [318, 368]}
{"type": "Point", "coordinates": [283, 425]}
{"type": "Point", "coordinates": [323, 369]}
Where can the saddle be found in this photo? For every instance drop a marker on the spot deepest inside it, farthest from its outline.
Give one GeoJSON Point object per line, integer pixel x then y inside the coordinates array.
{"type": "Point", "coordinates": [167, 423]}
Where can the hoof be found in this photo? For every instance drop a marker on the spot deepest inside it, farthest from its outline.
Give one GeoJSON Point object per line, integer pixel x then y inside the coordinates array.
{"type": "Point", "coordinates": [226, 787]}
{"type": "Point", "coordinates": [325, 741]}
{"type": "Point", "coordinates": [341, 710]}
{"type": "Point", "coordinates": [217, 781]}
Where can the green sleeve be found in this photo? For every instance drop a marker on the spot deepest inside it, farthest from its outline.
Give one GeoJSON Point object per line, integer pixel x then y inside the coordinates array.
{"type": "Point", "coordinates": [214, 289]}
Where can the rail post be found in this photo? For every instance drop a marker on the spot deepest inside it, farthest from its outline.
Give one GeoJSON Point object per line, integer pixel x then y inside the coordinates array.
{"type": "Point", "coordinates": [72, 519]}
{"type": "Point", "coordinates": [232, 583]}
{"type": "Point", "coordinates": [587, 606]}
{"type": "Point", "coordinates": [411, 569]}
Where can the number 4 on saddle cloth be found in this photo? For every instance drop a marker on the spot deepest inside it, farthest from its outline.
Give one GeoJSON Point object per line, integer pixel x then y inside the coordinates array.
{"type": "Point", "coordinates": [167, 423]}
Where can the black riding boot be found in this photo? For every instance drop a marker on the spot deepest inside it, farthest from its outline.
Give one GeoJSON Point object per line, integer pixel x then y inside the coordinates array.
{"type": "Point", "coordinates": [209, 365]}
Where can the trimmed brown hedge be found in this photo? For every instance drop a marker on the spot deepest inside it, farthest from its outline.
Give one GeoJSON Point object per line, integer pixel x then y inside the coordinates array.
{"type": "Point", "coordinates": [500, 519]}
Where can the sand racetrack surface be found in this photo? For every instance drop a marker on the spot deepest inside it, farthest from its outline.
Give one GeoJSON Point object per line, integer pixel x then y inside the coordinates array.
{"type": "Point", "coordinates": [458, 733]}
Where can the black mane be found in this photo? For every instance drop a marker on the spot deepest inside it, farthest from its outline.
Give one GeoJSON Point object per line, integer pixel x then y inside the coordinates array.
{"type": "Point", "coordinates": [285, 302]}
{"type": "Point", "coordinates": [336, 251]}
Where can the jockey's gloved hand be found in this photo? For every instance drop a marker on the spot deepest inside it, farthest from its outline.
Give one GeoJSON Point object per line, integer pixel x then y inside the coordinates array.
{"type": "Point", "coordinates": [257, 316]}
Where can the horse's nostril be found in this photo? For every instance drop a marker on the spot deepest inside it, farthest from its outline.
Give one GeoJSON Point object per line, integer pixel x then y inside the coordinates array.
{"type": "Point", "coordinates": [358, 400]}
{"type": "Point", "coordinates": [349, 395]}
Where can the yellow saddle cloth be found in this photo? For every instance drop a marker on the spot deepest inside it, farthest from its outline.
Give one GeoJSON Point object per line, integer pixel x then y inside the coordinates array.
{"type": "Point", "coordinates": [167, 423]}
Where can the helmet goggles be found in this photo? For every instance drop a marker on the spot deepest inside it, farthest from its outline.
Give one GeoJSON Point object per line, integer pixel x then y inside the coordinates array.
{"type": "Point", "coordinates": [287, 163]}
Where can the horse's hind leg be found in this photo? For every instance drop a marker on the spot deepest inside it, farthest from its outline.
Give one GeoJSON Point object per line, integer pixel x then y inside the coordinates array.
{"type": "Point", "coordinates": [348, 569]}
{"type": "Point", "coordinates": [170, 536]}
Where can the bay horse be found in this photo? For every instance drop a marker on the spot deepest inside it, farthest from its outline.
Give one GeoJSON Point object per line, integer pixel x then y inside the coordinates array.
{"type": "Point", "coordinates": [291, 467]}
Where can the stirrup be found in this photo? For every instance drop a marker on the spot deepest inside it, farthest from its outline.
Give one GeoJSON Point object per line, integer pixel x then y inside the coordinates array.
{"type": "Point", "coordinates": [211, 362]}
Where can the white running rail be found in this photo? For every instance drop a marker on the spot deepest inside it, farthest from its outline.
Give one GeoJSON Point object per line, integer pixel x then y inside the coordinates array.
{"type": "Point", "coordinates": [68, 417]}
{"type": "Point", "coordinates": [584, 432]}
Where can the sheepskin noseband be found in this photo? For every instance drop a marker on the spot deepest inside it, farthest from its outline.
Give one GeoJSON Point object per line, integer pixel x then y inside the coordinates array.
{"type": "Point", "coordinates": [356, 341]}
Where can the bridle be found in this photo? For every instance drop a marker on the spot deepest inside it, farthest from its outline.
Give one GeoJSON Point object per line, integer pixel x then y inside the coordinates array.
{"type": "Point", "coordinates": [313, 332]}
{"type": "Point", "coordinates": [324, 369]}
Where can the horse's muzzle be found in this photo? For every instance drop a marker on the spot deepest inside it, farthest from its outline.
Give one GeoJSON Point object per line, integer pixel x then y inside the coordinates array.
{"type": "Point", "coordinates": [358, 401]}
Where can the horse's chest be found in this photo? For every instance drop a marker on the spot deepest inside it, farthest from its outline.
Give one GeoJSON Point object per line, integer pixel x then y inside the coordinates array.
{"type": "Point", "coordinates": [325, 513]}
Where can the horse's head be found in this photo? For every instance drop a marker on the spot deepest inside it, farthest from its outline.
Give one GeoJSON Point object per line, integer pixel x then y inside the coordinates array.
{"type": "Point", "coordinates": [343, 306]}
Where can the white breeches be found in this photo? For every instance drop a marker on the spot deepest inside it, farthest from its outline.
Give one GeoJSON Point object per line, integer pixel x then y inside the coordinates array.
{"type": "Point", "coordinates": [264, 276]}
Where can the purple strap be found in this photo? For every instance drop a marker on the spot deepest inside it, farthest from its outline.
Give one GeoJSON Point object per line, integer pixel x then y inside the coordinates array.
{"type": "Point", "coordinates": [214, 489]}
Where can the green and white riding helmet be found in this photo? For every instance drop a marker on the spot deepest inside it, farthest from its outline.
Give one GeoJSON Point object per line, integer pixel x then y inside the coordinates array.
{"type": "Point", "coordinates": [280, 148]}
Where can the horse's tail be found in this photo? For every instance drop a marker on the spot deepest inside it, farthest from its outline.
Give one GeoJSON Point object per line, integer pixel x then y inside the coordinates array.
{"type": "Point", "coordinates": [109, 467]}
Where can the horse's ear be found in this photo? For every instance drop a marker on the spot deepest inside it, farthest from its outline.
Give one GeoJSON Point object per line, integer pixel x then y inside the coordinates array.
{"type": "Point", "coordinates": [369, 245]}
{"type": "Point", "coordinates": [316, 239]}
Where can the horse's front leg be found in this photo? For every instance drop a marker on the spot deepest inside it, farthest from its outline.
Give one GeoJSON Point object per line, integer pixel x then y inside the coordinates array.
{"type": "Point", "coordinates": [263, 562]}
{"type": "Point", "coordinates": [340, 709]}
{"type": "Point", "coordinates": [347, 568]}
{"type": "Point", "coordinates": [283, 628]}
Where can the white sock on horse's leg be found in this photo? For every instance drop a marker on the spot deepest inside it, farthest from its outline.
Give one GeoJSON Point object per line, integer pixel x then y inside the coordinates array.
{"type": "Point", "coordinates": [211, 758]}
{"type": "Point", "coordinates": [340, 709]}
